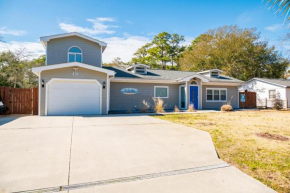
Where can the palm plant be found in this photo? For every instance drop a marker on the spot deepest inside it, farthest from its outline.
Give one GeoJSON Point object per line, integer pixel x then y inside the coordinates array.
{"type": "Point", "coordinates": [281, 6]}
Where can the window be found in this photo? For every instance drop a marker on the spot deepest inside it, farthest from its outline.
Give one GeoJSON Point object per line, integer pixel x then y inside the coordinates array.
{"type": "Point", "coordinates": [272, 94]}
{"type": "Point", "coordinates": [75, 54]}
{"type": "Point", "coordinates": [215, 74]}
{"type": "Point", "coordinates": [216, 95]}
{"type": "Point", "coordinates": [161, 91]}
{"type": "Point", "coordinates": [140, 70]}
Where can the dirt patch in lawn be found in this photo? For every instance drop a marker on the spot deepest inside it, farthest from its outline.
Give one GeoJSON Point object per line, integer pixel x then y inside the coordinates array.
{"type": "Point", "coordinates": [272, 136]}
{"type": "Point", "coordinates": [205, 123]}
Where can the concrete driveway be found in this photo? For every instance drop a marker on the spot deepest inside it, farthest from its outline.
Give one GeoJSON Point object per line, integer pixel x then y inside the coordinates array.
{"type": "Point", "coordinates": [114, 153]}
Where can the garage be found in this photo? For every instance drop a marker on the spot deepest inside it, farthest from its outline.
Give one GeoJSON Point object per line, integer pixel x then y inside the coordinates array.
{"type": "Point", "coordinates": [73, 97]}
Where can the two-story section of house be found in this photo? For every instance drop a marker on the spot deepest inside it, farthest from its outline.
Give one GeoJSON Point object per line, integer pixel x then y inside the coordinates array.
{"type": "Point", "coordinates": [74, 82]}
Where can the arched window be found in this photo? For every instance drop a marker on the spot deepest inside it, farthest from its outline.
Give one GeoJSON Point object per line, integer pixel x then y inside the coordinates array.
{"type": "Point", "coordinates": [75, 54]}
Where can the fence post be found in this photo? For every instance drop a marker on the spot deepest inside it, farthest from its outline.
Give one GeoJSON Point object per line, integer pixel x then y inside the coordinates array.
{"type": "Point", "coordinates": [266, 106]}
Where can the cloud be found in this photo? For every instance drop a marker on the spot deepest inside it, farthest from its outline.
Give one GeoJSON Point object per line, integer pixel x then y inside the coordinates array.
{"type": "Point", "coordinates": [34, 49]}
{"type": "Point", "coordinates": [274, 27]}
{"type": "Point", "coordinates": [123, 47]}
{"type": "Point", "coordinates": [6, 31]}
{"type": "Point", "coordinates": [99, 26]}
{"type": "Point", "coordinates": [244, 18]}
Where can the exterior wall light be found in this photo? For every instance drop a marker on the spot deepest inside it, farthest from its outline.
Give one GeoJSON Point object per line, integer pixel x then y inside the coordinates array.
{"type": "Point", "coordinates": [104, 85]}
{"type": "Point", "coordinates": [42, 83]}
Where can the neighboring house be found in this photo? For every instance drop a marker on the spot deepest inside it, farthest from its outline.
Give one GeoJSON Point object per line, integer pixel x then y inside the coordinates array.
{"type": "Point", "coordinates": [73, 82]}
{"type": "Point", "coordinates": [268, 89]}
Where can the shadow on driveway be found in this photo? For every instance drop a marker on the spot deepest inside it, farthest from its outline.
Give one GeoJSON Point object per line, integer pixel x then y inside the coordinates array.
{"type": "Point", "coordinates": [9, 118]}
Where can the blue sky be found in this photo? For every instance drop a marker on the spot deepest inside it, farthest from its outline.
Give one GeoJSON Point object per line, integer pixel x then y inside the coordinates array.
{"type": "Point", "coordinates": [126, 25]}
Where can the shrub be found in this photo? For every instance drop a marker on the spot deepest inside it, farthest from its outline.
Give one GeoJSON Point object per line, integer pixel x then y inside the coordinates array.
{"type": "Point", "coordinates": [277, 102]}
{"type": "Point", "coordinates": [158, 105]}
{"type": "Point", "coordinates": [176, 109]}
{"type": "Point", "coordinates": [190, 108]}
{"type": "Point", "coordinates": [145, 106]}
{"type": "Point", "coordinates": [227, 107]}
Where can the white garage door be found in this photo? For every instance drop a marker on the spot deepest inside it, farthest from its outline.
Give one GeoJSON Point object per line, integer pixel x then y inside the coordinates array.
{"type": "Point", "coordinates": [77, 97]}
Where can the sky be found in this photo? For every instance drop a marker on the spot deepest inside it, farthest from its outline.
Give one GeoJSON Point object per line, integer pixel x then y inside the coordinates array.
{"type": "Point", "coordinates": [127, 25]}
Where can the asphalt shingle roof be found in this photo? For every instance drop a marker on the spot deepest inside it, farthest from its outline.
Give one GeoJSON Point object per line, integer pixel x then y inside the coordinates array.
{"type": "Point", "coordinates": [166, 75]}
{"type": "Point", "coordinates": [283, 82]}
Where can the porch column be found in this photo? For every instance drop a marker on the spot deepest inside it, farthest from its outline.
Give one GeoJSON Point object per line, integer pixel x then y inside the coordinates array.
{"type": "Point", "coordinates": [187, 94]}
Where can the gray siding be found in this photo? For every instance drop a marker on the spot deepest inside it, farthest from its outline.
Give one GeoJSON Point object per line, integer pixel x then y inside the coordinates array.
{"type": "Point", "coordinates": [123, 102]}
{"type": "Point", "coordinates": [68, 73]}
{"type": "Point", "coordinates": [57, 50]}
{"type": "Point", "coordinates": [232, 92]}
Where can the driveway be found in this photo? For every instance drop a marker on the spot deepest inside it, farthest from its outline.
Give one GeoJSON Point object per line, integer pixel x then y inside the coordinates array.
{"type": "Point", "coordinates": [114, 153]}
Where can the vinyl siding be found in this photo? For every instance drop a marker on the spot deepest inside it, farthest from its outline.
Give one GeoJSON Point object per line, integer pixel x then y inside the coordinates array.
{"type": "Point", "coordinates": [123, 102]}
{"type": "Point", "coordinates": [232, 95]}
{"type": "Point", "coordinates": [57, 50]}
{"type": "Point", "coordinates": [68, 73]}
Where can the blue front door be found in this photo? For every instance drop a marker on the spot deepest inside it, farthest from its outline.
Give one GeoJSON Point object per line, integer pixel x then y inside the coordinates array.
{"type": "Point", "coordinates": [193, 96]}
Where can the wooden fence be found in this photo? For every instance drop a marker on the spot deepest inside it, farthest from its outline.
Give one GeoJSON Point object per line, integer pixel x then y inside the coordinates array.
{"type": "Point", "coordinates": [20, 100]}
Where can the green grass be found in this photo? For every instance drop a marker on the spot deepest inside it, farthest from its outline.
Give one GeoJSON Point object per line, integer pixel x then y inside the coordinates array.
{"type": "Point", "coordinates": [234, 136]}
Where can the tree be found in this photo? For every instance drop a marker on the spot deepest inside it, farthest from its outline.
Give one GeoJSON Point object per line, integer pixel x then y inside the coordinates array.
{"type": "Point", "coordinates": [282, 6]}
{"type": "Point", "coordinates": [15, 69]}
{"type": "Point", "coordinates": [117, 62]}
{"type": "Point", "coordinates": [175, 49]}
{"type": "Point", "coordinates": [161, 48]}
{"type": "Point", "coordinates": [238, 52]}
{"type": "Point", "coordinates": [164, 47]}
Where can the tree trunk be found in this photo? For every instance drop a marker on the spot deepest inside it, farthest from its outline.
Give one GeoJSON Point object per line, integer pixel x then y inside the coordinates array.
{"type": "Point", "coordinates": [163, 65]}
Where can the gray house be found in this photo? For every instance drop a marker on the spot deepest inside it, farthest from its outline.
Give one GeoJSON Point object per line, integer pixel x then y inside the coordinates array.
{"type": "Point", "coordinates": [74, 82]}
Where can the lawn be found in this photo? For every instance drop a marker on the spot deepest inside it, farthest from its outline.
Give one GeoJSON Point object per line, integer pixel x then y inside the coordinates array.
{"type": "Point", "coordinates": [256, 142]}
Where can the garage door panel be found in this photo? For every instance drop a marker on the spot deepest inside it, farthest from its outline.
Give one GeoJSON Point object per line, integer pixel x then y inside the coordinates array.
{"type": "Point", "coordinates": [73, 98]}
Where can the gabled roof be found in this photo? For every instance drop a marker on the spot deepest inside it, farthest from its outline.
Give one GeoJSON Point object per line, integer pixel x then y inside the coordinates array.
{"type": "Point", "coordinates": [279, 82]}
{"type": "Point", "coordinates": [136, 65]}
{"type": "Point", "coordinates": [38, 70]}
{"type": "Point", "coordinates": [211, 70]}
{"type": "Point", "coordinates": [45, 39]}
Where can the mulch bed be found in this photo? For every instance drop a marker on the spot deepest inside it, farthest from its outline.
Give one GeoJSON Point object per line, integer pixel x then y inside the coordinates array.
{"type": "Point", "coordinates": [272, 136]}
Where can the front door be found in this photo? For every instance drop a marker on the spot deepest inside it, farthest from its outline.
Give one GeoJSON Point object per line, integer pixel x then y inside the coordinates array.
{"type": "Point", "coordinates": [193, 96]}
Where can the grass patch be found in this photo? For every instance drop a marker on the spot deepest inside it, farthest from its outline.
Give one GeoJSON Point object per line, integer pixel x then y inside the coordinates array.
{"type": "Point", "coordinates": [249, 140]}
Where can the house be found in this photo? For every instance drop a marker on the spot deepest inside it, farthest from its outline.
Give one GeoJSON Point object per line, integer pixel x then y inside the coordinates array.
{"type": "Point", "coordinates": [268, 89]}
{"type": "Point", "coordinates": [73, 82]}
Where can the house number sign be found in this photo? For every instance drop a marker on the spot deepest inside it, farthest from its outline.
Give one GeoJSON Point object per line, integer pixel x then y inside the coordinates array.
{"type": "Point", "coordinates": [129, 91]}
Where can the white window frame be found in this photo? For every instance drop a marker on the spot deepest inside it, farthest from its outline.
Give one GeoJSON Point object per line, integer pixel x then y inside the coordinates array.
{"type": "Point", "coordinates": [73, 53]}
{"type": "Point", "coordinates": [271, 95]}
{"type": "Point", "coordinates": [219, 89]}
{"type": "Point", "coordinates": [161, 87]}
{"type": "Point", "coordinates": [180, 96]}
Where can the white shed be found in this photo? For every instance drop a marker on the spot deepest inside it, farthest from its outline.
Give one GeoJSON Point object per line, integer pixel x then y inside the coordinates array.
{"type": "Point", "coordinates": [267, 89]}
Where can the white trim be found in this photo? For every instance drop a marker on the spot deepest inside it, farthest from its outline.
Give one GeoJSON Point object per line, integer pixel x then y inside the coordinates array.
{"type": "Point", "coordinates": [68, 53]}
{"type": "Point", "coordinates": [161, 87]}
{"type": "Point", "coordinates": [45, 39]}
{"type": "Point", "coordinates": [108, 94]}
{"type": "Point", "coordinates": [211, 70]}
{"type": "Point", "coordinates": [137, 65]}
{"type": "Point", "coordinates": [266, 82]}
{"type": "Point", "coordinates": [101, 56]}
{"type": "Point", "coordinates": [238, 98]}
{"type": "Point", "coordinates": [68, 79]}
{"type": "Point", "coordinates": [180, 96]}
{"type": "Point", "coordinates": [137, 80]}
{"type": "Point", "coordinates": [37, 70]}
{"type": "Point", "coordinates": [188, 78]}
{"type": "Point", "coordinates": [219, 95]}
{"type": "Point", "coordinates": [39, 93]}
{"type": "Point", "coordinates": [196, 85]}
{"type": "Point", "coordinates": [222, 83]}
{"type": "Point", "coordinates": [201, 95]}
